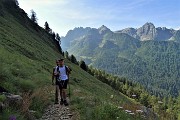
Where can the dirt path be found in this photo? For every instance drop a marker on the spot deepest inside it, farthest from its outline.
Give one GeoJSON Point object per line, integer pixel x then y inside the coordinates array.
{"type": "Point", "coordinates": [57, 112]}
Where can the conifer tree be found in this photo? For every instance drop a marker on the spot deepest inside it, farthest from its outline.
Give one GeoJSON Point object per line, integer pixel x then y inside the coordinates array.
{"type": "Point", "coordinates": [73, 59]}
{"type": "Point", "coordinates": [58, 38]}
{"type": "Point", "coordinates": [83, 65]}
{"type": "Point", "coordinates": [54, 36]}
{"type": "Point", "coordinates": [46, 27]}
{"type": "Point", "coordinates": [33, 16]}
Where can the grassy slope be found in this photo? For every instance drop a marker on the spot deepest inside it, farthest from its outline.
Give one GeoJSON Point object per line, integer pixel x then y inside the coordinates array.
{"type": "Point", "coordinates": [27, 57]}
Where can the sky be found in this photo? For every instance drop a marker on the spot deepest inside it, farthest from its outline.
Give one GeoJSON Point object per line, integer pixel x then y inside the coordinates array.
{"type": "Point", "coordinates": [65, 15]}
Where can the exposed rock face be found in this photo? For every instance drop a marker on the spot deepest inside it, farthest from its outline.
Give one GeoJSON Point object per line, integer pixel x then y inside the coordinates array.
{"type": "Point", "coordinates": [147, 32]}
{"type": "Point", "coordinates": [163, 33]}
{"type": "Point", "coordinates": [130, 31]}
{"type": "Point", "coordinates": [103, 30]}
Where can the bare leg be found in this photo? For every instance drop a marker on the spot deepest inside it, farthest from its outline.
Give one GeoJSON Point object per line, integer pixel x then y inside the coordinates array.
{"type": "Point", "coordinates": [64, 94]}
{"type": "Point", "coordinates": [61, 95]}
{"type": "Point", "coordinates": [64, 97]}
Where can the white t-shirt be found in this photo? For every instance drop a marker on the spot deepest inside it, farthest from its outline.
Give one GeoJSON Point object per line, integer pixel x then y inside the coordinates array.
{"type": "Point", "coordinates": [62, 71]}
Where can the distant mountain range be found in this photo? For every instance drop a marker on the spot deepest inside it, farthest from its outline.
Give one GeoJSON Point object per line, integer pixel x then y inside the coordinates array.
{"type": "Point", "coordinates": [147, 55]}
{"type": "Point", "coordinates": [149, 32]}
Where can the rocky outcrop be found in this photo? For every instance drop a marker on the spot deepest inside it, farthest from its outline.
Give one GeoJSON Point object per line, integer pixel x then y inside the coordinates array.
{"type": "Point", "coordinates": [130, 31]}
{"type": "Point", "coordinates": [12, 100]}
{"type": "Point", "coordinates": [16, 101]}
{"type": "Point", "coordinates": [149, 32]}
{"type": "Point", "coordinates": [103, 30]}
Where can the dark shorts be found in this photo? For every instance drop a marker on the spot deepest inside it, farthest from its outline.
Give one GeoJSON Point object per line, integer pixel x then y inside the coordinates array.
{"type": "Point", "coordinates": [62, 84]}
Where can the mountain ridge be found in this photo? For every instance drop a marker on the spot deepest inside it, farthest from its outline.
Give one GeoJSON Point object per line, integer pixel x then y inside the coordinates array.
{"type": "Point", "coordinates": [125, 55]}
{"type": "Point", "coordinates": [149, 32]}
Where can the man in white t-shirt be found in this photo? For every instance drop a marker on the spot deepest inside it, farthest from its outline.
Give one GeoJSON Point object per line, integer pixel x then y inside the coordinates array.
{"type": "Point", "coordinates": [62, 76]}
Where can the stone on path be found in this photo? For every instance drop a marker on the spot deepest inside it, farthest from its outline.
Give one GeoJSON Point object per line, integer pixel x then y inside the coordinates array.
{"type": "Point", "coordinates": [57, 112]}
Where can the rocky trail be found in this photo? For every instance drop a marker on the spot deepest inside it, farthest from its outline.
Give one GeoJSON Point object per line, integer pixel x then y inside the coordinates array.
{"type": "Point", "coordinates": [57, 112]}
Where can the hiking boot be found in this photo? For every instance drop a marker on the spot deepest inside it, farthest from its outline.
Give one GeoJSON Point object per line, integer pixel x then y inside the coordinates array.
{"type": "Point", "coordinates": [61, 102]}
{"type": "Point", "coordinates": [65, 103]}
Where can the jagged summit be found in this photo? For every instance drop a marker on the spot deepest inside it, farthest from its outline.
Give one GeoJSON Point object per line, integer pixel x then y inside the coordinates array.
{"type": "Point", "coordinates": [103, 29]}
{"type": "Point", "coordinates": [149, 32]}
{"type": "Point", "coordinates": [149, 24]}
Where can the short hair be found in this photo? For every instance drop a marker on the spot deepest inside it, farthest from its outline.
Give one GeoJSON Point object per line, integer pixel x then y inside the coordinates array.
{"type": "Point", "coordinates": [61, 59]}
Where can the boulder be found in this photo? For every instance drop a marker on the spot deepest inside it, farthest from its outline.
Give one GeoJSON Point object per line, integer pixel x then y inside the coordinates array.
{"type": "Point", "coordinates": [13, 100]}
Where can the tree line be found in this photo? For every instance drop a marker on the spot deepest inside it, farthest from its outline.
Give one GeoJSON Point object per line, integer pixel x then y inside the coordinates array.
{"type": "Point", "coordinates": [167, 107]}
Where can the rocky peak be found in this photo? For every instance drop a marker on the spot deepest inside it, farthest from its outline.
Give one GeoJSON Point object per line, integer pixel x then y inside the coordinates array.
{"type": "Point", "coordinates": [103, 29]}
{"type": "Point", "coordinates": [147, 32]}
{"type": "Point", "coordinates": [149, 24]}
{"type": "Point", "coordinates": [146, 28]}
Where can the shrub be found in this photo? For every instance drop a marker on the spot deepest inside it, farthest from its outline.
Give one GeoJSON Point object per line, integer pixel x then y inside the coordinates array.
{"type": "Point", "coordinates": [26, 85]}
{"type": "Point", "coordinates": [9, 86]}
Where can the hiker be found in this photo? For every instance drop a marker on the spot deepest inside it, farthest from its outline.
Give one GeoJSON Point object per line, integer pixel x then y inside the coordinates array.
{"type": "Point", "coordinates": [62, 78]}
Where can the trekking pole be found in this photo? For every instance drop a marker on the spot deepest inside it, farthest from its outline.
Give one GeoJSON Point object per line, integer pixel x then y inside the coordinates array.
{"type": "Point", "coordinates": [69, 89]}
